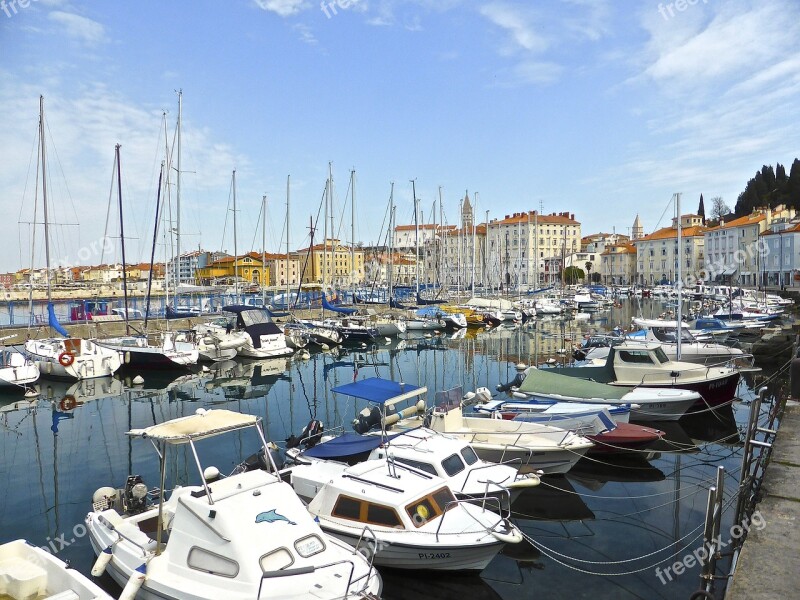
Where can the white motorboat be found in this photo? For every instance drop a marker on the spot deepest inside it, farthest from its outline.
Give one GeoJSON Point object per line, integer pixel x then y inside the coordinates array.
{"type": "Point", "coordinates": [266, 340]}
{"type": "Point", "coordinates": [73, 358]}
{"type": "Point", "coordinates": [31, 573]}
{"type": "Point", "coordinates": [409, 519]}
{"type": "Point", "coordinates": [435, 453]}
{"type": "Point", "coordinates": [16, 370]}
{"type": "Point", "coordinates": [691, 349]}
{"type": "Point", "coordinates": [645, 403]}
{"type": "Point", "coordinates": [217, 341]}
{"type": "Point", "coordinates": [645, 365]}
{"type": "Point", "coordinates": [239, 537]}
{"type": "Point", "coordinates": [167, 350]}
{"type": "Point", "coordinates": [534, 447]}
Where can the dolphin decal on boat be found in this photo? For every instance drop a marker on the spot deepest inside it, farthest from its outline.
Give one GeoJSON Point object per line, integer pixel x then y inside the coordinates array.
{"type": "Point", "coordinates": [272, 516]}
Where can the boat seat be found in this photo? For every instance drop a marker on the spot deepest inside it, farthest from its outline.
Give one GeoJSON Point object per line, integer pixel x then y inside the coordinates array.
{"type": "Point", "coordinates": [21, 579]}
{"type": "Point", "coordinates": [130, 530]}
{"type": "Point", "coordinates": [65, 595]}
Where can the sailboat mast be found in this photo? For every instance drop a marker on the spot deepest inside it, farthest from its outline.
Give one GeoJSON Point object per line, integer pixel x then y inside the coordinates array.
{"type": "Point", "coordinates": [122, 241]}
{"type": "Point", "coordinates": [178, 197]}
{"type": "Point", "coordinates": [235, 245]}
{"type": "Point", "coordinates": [264, 250]}
{"type": "Point", "coordinates": [416, 233]}
{"type": "Point", "coordinates": [391, 242]}
{"type": "Point", "coordinates": [353, 231]}
{"type": "Point", "coordinates": [288, 292]}
{"type": "Point", "coordinates": [440, 258]}
{"type": "Point", "coordinates": [460, 242]}
{"type": "Point", "coordinates": [325, 230]}
{"type": "Point", "coordinates": [679, 282]}
{"type": "Point", "coordinates": [153, 250]}
{"type": "Point", "coordinates": [474, 208]}
{"type": "Point", "coordinates": [44, 200]}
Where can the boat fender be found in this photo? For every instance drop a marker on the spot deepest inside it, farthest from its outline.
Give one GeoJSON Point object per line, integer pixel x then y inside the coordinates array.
{"type": "Point", "coordinates": [512, 537]}
{"type": "Point", "coordinates": [135, 581]}
{"type": "Point", "coordinates": [102, 561]}
{"type": "Point", "coordinates": [126, 357]}
{"type": "Point", "coordinates": [49, 367]}
{"type": "Point", "coordinates": [524, 481]}
{"type": "Point", "coordinates": [67, 403]}
{"type": "Point", "coordinates": [65, 359]}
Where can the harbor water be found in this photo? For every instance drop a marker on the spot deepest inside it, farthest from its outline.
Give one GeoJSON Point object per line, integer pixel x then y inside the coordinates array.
{"type": "Point", "coordinates": [608, 529]}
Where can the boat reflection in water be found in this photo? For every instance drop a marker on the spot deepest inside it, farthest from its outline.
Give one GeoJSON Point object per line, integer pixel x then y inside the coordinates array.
{"type": "Point", "coordinates": [398, 585]}
{"type": "Point", "coordinates": [622, 468]}
{"type": "Point", "coordinates": [554, 499]}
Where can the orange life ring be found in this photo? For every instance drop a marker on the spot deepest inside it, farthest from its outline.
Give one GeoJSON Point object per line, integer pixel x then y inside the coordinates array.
{"type": "Point", "coordinates": [66, 359]}
{"type": "Point", "coordinates": [68, 402]}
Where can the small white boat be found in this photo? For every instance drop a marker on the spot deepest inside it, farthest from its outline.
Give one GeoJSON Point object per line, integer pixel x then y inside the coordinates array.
{"type": "Point", "coordinates": [435, 453]}
{"type": "Point", "coordinates": [239, 537]}
{"type": "Point", "coordinates": [31, 573]}
{"type": "Point", "coordinates": [265, 338]}
{"type": "Point", "coordinates": [16, 370]}
{"type": "Point", "coordinates": [216, 341]}
{"type": "Point", "coordinates": [73, 358]}
{"type": "Point", "coordinates": [167, 350]}
{"type": "Point", "coordinates": [412, 518]}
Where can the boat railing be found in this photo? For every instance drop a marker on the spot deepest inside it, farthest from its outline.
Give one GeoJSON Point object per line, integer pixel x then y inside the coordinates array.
{"type": "Point", "coordinates": [111, 527]}
{"type": "Point", "coordinates": [371, 551]}
{"type": "Point", "coordinates": [306, 571]}
{"type": "Point", "coordinates": [473, 501]}
{"type": "Point", "coordinates": [489, 484]}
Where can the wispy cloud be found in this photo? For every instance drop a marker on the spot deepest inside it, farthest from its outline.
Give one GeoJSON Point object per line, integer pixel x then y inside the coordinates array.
{"type": "Point", "coordinates": [84, 124]}
{"type": "Point", "coordinates": [284, 8]}
{"type": "Point", "coordinates": [79, 28]}
{"type": "Point", "coordinates": [520, 25]}
{"type": "Point", "coordinates": [305, 33]}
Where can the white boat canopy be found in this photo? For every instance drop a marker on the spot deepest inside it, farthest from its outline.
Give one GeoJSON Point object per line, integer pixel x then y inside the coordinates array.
{"type": "Point", "coordinates": [203, 424]}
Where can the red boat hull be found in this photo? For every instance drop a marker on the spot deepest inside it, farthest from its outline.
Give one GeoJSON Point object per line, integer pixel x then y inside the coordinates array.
{"type": "Point", "coordinates": [624, 438]}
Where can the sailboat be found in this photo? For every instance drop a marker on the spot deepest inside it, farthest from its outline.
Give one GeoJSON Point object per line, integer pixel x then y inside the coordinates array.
{"type": "Point", "coordinates": [65, 357]}
{"type": "Point", "coordinates": [16, 371]}
{"type": "Point", "coordinates": [173, 349]}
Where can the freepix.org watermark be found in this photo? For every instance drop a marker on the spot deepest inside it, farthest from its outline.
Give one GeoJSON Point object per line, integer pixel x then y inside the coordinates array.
{"type": "Point", "coordinates": [329, 6]}
{"type": "Point", "coordinates": [11, 7]}
{"type": "Point", "coordinates": [668, 10]}
{"type": "Point", "coordinates": [700, 555]}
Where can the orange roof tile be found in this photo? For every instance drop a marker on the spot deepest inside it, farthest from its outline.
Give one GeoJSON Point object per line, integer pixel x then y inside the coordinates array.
{"type": "Point", "coordinates": [751, 219]}
{"type": "Point", "coordinates": [666, 233]}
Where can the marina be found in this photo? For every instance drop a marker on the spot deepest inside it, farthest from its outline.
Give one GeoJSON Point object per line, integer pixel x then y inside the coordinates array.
{"type": "Point", "coordinates": [613, 523]}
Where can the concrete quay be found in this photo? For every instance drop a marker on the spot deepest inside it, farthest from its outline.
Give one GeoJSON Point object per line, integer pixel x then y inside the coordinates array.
{"type": "Point", "coordinates": [769, 563]}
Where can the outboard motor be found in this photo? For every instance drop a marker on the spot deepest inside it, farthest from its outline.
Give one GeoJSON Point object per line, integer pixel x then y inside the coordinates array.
{"type": "Point", "coordinates": [309, 437]}
{"type": "Point", "coordinates": [134, 495]}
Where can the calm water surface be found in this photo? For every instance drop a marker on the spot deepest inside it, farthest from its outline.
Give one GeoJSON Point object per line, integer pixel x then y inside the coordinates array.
{"type": "Point", "coordinates": [602, 529]}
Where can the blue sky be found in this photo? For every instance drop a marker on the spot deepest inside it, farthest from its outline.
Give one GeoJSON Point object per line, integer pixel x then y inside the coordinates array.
{"type": "Point", "coordinates": [600, 108]}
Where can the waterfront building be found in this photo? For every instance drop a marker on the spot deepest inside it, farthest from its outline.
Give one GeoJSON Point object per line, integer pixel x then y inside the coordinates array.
{"type": "Point", "coordinates": [339, 265]}
{"type": "Point", "coordinates": [657, 254]}
{"type": "Point", "coordinates": [618, 264]}
{"type": "Point", "coordinates": [527, 246]}
{"type": "Point", "coordinates": [732, 249]}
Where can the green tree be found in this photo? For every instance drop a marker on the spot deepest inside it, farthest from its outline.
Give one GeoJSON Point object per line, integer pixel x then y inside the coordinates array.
{"type": "Point", "coordinates": [572, 275]}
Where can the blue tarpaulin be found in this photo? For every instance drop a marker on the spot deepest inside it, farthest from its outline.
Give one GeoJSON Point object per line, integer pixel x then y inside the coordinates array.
{"type": "Point", "coordinates": [348, 444]}
{"type": "Point", "coordinates": [380, 391]}
{"type": "Point", "coordinates": [338, 309]}
{"type": "Point", "coordinates": [53, 321]}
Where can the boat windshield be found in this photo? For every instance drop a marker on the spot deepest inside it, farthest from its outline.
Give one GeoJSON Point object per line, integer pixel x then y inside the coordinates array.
{"type": "Point", "coordinates": [255, 317]}
{"type": "Point", "coordinates": [670, 335]}
{"type": "Point", "coordinates": [661, 355]}
{"type": "Point", "coordinates": [426, 509]}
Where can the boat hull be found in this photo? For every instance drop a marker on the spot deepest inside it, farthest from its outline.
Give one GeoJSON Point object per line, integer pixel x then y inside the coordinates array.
{"type": "Point", "coordinates": [548, 461]}
{"type": "Point", "coordinates": [438, 557]}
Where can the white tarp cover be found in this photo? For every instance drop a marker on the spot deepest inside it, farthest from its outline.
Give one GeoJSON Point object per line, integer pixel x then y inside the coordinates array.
{"type": "Point", "coordinates": [194, 427]}
{"type": "Point", "coordinates": [491, 303]}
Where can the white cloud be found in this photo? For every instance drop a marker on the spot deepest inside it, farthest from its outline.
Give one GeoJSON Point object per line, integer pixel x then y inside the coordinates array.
{"type": "Point", "coordinates": [518, 23]}
{"type": "Point", "coordinates": [284, 8]}
{"type": "Point", "coordinates": [84, 124]}
{"type": "Point", "coordinates": [305, 33]}
{"type": "Point", "coordinates": [80, 28]}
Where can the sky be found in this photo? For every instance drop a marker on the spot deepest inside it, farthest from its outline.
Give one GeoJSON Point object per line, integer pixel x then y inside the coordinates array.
{"type": "Point", "coordinates": [601, 108]}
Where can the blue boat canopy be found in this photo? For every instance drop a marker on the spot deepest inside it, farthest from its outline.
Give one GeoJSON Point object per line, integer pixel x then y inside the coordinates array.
{"type": "Point", "coordinates": [348, 444]}
{"type": "Point", "coordinates": [380, 391]}
{"type": "Point", "coordinates": [337, 309]}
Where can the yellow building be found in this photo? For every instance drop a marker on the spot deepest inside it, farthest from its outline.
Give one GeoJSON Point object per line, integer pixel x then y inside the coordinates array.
{"type": "Point", "coordinates": [333, 262]}
{"type": "Point", "coordinates": [248, 267]}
